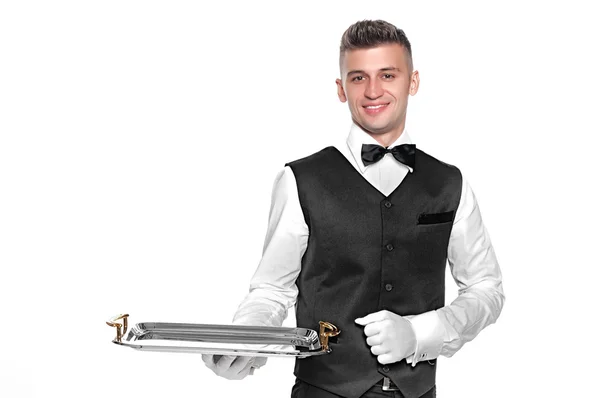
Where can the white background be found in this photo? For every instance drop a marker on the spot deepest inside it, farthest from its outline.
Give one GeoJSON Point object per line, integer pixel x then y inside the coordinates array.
{"type": "Point", "coordinates": [139, 144]}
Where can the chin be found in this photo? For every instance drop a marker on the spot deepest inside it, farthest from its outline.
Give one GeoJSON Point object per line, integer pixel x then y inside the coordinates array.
{"type": "Point", "coordinates": [376, 127]}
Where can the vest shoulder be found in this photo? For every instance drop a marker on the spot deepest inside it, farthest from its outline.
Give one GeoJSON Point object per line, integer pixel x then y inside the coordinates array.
{"type": "Point", "coordinates": [432, 161]}
{"type": "Point", "coordinates": [314, 158]}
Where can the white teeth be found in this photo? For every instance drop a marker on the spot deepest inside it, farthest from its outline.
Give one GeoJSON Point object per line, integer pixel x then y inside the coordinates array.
{"type": "Point", "coordinates": [375, 107]}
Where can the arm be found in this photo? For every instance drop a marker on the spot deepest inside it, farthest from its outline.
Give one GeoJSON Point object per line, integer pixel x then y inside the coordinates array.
{"type": "Point", "coordinates": [273, 287]}
{"type": "Point", "coordinates": [475, 269]}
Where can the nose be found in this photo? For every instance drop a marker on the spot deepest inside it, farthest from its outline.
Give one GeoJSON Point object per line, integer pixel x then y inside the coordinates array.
{"type": "Point", "coordinates": [373, 89]}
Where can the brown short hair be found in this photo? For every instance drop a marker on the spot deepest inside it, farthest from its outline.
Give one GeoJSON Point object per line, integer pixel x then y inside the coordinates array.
{"type": "Point", "coordinates": [369, 34]}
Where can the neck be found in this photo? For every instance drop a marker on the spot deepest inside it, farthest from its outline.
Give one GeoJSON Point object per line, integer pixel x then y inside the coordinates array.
{"type": "Point", "coordinates": [386, 138]}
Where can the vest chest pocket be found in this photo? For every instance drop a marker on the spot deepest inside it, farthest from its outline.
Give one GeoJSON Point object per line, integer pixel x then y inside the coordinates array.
{"type": "Point", "coordinates": [433, 227]}
{"type": "Point", "coordinates": [435, 218]}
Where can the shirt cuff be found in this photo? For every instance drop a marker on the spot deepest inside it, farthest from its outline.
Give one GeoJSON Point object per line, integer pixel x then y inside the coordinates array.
{"type": "Point", "coordinates": [429, 332]}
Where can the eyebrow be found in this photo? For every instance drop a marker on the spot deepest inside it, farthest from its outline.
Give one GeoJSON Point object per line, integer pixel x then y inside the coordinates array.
{"type": "Point", "coordinates": [387, 68]}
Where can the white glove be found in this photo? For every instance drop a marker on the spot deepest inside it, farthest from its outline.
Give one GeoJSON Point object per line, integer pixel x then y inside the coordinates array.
{"type": "Point", "coordinates": [390, 336]}
{"type": "Point", "coordinates": [232, 367]}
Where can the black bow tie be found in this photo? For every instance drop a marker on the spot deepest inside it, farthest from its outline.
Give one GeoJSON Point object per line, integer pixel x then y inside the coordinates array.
{"type": "Point", "coordinates": [404, 153]}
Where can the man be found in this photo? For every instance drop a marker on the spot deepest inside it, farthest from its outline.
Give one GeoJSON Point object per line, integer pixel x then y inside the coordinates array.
{"type": "Point", "coordinates": [359, 236]}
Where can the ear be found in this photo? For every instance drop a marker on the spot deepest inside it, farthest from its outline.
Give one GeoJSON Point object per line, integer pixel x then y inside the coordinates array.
{"type": "Point", "coordinates": [414, 83]}
{"type": "Point", "coordinates": [340, 90]}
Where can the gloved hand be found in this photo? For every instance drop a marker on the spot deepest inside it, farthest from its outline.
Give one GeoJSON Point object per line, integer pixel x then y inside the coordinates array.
{"type": "Point", "coordinates": [232, 367]}
{"type": "Point", "coordinates": [390, 336]}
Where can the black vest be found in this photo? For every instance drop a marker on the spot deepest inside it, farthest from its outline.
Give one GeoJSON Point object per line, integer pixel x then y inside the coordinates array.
{"type": "Point", "coordinates": [368, 252]}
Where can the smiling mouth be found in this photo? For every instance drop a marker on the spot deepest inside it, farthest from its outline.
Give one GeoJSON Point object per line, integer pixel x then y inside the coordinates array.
{"type": "Point", "coordinates": [375, 109]}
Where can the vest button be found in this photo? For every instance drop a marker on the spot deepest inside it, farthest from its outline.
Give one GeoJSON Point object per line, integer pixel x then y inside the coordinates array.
{"type": "Point", "coordinates": [389, 247]}
{"type": "Point", "coordinates": [387, 204]}
{"type": "Point", "coordinates": [389, 287]}
{"type": "Point", "coordinates": [386, 369]}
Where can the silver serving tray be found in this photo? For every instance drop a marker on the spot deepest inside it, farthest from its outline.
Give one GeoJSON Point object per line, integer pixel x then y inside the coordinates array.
{"type": "Point", "coordinates": [201, 338]}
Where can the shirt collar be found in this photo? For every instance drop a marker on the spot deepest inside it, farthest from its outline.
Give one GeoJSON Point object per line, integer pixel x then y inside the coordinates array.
{"type": "Point", "coordinates": [358, 137]}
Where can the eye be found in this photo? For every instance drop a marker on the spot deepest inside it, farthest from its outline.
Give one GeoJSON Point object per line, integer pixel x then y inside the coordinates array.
{"type": "Point", "coordinates": [388, 76]}
{"type": "Point", "coordinates": [358, 78]}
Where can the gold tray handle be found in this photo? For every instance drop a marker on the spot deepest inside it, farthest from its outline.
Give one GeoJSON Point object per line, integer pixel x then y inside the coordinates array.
{"type": "Point", "coordinates": [114, 323]}
{"type": "Point", "coordinates": [327, 330]}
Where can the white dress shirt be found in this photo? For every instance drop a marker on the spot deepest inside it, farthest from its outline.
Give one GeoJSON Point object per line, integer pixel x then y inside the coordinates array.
{"type": "Point", "coordinates": [471, 258]}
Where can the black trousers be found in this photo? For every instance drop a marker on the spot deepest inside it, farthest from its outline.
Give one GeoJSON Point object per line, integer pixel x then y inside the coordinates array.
{"type": "Point", "coordinates": [305, 390]}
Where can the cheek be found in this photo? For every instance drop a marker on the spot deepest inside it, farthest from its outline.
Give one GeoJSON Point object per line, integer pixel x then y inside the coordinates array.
{"type": "Point", "coordinates": [354, 93]}
{"type": "Point", "coordinates": [398, 88]}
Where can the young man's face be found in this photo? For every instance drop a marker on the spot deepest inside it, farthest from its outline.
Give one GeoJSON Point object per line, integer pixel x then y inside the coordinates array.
{"type": "Point", "coordinates": [376, 83]}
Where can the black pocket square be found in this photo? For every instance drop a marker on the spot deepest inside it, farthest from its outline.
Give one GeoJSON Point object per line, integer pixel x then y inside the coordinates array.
{"type": "Point", "coordinates": [435, 218]}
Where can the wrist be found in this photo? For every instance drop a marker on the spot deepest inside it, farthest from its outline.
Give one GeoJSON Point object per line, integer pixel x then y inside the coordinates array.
{"type": "Point", "coordinates": [429, 336]}
{"type": "Point", "coordinates": [412, 339]}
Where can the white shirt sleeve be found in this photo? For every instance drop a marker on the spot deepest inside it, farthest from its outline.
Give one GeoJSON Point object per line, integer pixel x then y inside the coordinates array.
{"type": "Point", "coordinates": [273, 287]}
{"type": "Point", "coordinates": [476, 271]}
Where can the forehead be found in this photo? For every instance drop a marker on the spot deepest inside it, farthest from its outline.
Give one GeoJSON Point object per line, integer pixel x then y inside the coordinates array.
{"type": "Point", "coordinates": [376, 58]}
